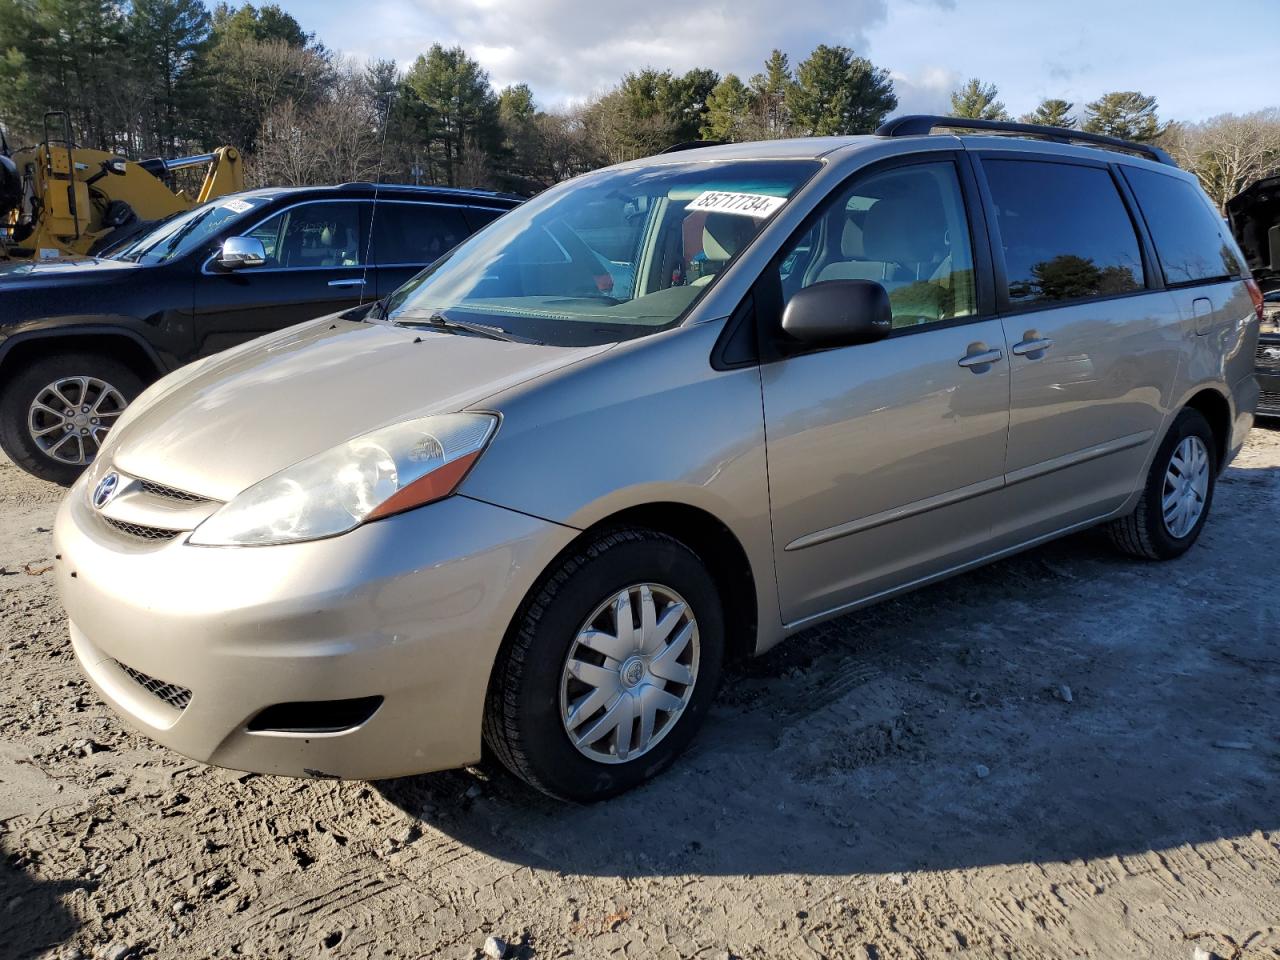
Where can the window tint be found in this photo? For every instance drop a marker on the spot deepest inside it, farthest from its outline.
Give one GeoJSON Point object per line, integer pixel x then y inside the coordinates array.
{"type": "Point", "coordinates": [1191, 239]}
{"type": "Point", "coordinates": [1065, 231]}
{"type": "Point", "coordinates": [479, 217]}
{"type": "Point", "coordinates": [903, 228]}
{"type": "Point", "coordinates": [312, 235]}
{"type": "Point", "coordinates": [415, 233]}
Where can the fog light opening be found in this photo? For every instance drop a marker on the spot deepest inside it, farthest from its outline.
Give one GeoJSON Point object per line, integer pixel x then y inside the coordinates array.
{"type": "Point", "coordinates": [315, 716]}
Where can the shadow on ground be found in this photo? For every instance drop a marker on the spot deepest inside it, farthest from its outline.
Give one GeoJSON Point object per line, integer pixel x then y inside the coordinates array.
{"type": "Point", "coordinates": [32, 916]}
{"type": "Point", "coordinates": [1063, 704]}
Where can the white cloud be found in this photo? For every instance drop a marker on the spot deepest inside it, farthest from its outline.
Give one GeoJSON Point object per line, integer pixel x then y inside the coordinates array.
{"type": "Point", "coordinates": [569, 49]}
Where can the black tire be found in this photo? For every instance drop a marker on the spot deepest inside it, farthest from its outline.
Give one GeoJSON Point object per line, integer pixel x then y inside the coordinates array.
{"type": "Point", "coordinates": [1143, 533]}
{"type": "Point", "coordinates": [26, 384]}
{"type": "Point", "coordinates": [523, 725]}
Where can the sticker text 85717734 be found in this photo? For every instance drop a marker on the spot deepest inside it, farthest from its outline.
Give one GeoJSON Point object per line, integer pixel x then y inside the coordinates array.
{"type": "Point", "coordinates": [744, 204]}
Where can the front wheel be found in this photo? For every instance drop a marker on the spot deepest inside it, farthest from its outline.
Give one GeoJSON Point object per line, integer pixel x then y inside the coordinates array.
{"type": "Point", "coordinates": [610, 667]}
{"type": "Point", "coordinates": [1177, 495]}
{"type": "Point", "coordinates": [55, 413]}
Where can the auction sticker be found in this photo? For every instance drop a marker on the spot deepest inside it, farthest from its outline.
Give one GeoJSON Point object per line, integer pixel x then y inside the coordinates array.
{"type": "Point", "coordinates": [744, 204]}
{"type": "Point", "coordinates": [237, 206]}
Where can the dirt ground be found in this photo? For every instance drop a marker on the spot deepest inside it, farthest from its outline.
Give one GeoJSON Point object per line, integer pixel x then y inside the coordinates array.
{"type": "Point", "coordinates": [1067, 754]}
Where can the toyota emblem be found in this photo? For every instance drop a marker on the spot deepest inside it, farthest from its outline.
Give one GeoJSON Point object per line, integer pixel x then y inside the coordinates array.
{"type": "Point", "coordinates": [106, 489]}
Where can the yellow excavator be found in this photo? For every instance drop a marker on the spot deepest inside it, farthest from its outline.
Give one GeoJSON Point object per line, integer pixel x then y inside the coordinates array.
{"type": "Point", "coordinates": [60, 200]}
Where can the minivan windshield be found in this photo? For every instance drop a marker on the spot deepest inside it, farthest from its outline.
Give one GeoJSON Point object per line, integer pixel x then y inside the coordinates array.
{"type": "Point", "coordinates": [176, 236]}
{"type": "Point", "coordinates": [611, 256]}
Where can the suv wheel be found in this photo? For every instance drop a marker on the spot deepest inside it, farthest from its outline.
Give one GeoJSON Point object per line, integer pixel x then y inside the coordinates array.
{"type": "Point", "coordinates": [55, 413]}
{"type": "Point", "coordinates": [610, 668]}
{"type": "Point", "coordinates": [1178, 494]}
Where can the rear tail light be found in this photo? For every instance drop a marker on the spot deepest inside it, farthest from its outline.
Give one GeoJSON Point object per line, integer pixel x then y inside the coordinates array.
{"type": "Point", "coordinates": [1255, 292]}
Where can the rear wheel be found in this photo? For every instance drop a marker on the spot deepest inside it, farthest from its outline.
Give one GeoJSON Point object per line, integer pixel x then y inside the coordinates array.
{"type": "Point", "coordinates": [55, 413]}
{"type": "Point", "coordinates": [610, 668]}
{"type": "Point", "coordinates": [1177, 496]}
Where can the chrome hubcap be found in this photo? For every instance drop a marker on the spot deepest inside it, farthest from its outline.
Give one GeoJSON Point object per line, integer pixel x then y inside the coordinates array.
{"type": "Point", "coordinates": [1186, 485]}
{"type": "Point", "coordinates": [69, 417]}
{"type": "Point", "coordinates": [630, 673]}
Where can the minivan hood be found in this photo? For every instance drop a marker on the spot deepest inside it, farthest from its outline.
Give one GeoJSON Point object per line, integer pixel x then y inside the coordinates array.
{"type": "Point", "coordinates": [254, 410]}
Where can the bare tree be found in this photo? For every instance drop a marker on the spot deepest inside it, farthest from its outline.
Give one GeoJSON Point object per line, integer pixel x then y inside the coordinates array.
{"type": "Point", "coordinates": [1228, 152]}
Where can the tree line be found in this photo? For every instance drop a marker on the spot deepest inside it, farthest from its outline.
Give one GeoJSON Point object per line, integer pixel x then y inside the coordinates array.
{"type": "Point", "coordinates": [165, 77]}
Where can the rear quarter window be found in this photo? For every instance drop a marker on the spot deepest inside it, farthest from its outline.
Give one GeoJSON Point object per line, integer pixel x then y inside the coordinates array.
{"type": "Point", "coordinates": [1191, 240]}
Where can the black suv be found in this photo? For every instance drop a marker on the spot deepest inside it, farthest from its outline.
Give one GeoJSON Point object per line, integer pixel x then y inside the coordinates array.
{"type": "Point", "coordinates": [79, 339]}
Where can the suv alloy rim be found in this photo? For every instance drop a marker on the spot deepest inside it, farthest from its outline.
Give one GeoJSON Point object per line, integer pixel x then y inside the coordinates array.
{"type": "Point", "coordinates": [1186, 484]}
{"type": "Point", "coordinates": [69, 417]}
{"type": "Point", "coordinates": [630, 673]}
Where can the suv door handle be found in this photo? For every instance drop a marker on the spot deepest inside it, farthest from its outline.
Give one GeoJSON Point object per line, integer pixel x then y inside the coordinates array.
{"type": "Point", "coordinates": [1032, 347]}
{"type": "Point", "coordinates": [980, 358]}
{"type": "Point", "coordinates": [353, 282]}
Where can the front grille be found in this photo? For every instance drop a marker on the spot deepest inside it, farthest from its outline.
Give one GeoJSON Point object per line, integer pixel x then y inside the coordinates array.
{"type": "Point", "coordinates": [172, 694]}
{"type": "Point", "coordinates": [1269, 401]}
{"type": "Point", "coordinates": [1264, 357]}
{"type": "Point", "coordinates": [139, 532]}
{"type": "Point", "coordinates": [170, 493]}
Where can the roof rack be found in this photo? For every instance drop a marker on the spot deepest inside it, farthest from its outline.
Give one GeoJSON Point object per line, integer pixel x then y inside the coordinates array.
{"type": "Point", "coordinates": [691, 145]}
{"type": "Point", "coordinates": [924, 124]}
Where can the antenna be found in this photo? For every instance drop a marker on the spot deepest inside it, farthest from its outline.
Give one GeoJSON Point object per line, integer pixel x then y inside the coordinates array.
{"type": "Point", "coordinates": [382, 153]}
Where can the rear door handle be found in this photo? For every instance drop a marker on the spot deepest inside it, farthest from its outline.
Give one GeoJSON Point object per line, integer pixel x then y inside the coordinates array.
{"type": "Point", "coordinates": [353, 282]}
{"type": "Point", "coordinates": [1033, 347]}
{"type": "Point", "coordinates": [980, 358]}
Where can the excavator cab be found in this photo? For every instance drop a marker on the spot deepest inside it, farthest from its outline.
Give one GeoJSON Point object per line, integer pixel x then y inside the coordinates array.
{"type": "Point", "coordinates": [60, 200]}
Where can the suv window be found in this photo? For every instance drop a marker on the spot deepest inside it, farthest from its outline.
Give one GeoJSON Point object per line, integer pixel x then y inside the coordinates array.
{"type": "Point", "coordinates": [415, 233]}
{"type": "Point", "coordinates": [1065, 231]}
{"type": "Point", "coordinates": [904, 228]}
{"type": "Point", "coordinates": [1191, 239]}
{"type": "Point", "coordinates": [312, 235]}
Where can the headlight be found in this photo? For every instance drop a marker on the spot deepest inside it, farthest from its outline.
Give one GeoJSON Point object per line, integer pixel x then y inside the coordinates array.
{"type": "Point", "coordinates": [384, 472]}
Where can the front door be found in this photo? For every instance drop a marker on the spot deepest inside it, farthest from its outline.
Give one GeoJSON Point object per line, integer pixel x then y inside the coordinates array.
{"type": "Point", "coordinates": [315, 265]}
{"type": "Point", "coordinates": [1093, 352]}
{"type": "Point", "coordinates": [884, 458]}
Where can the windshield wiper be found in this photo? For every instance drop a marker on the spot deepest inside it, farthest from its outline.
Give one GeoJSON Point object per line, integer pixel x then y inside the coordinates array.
{"type": "Point", "coordinates": [438, 321]}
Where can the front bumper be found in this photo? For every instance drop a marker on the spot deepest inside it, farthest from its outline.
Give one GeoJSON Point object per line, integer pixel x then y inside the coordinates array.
{"type": "Point", "coordinates": [411, 609]}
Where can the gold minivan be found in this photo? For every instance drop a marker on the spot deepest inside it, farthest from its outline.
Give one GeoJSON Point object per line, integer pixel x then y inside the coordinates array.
{"type": "Point", "coordinates": [664, 414]}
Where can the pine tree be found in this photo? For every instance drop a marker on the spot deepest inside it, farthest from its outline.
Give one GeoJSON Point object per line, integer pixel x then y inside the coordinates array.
{"type": "Point", "coordinates": [837, 93]}
{"type": "Point", "coordinates": [165, 38]}
{"type": "Point", "coordinates": [1127, 114]}
{"type": "Point", "coordinates": [769, 90]}
{"type": "Point", "coordinates": [976, 100]}
{"type": "Point", "coordinates": [730, 111]}
{"type": "Point", "coordinates": [1052, 113]}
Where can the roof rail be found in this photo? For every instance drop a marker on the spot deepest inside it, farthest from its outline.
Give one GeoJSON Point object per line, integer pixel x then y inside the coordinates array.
{"type": "Point", "coordinates": [923, 124]}
{"type": "Point", "coordinates": [692, 145]}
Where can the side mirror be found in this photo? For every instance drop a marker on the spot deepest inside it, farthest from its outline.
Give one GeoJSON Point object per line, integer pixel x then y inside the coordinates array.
{"type": "Point", "coordinates": [838, 313]}
{"type": "Point", "coordinates": [239, 252]}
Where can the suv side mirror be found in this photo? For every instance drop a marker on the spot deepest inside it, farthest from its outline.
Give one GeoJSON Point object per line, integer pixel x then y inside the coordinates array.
{"type": "Point", "coordinates": [838, 313]}
{"type": "Point", "coordinates": [238, 252]}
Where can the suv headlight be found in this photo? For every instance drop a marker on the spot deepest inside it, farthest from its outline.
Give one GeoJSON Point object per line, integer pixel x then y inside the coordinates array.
{"type": "Point", "coordinates": [375, 475]}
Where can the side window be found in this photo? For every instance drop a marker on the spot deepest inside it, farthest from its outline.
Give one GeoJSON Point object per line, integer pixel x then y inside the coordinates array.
{"type": "Point", "coordinates": [478, 217]}
{"type": "Point", "coordinates": [903, 228]}
{"type": "Point", "coordinates": [1065, 231]}
{"type": "Point", "coordinates": [312, 235]}
{"type": "Point", "coordinates": [1191, 239]}
{"type": "Point", "coordinates": [415, 233]}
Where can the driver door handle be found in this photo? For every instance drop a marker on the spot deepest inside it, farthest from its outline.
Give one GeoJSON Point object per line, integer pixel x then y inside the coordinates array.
{"type": "Point", "coordinates": [983, 358]}
{"type": "Point", "coordinates": [353, 282]}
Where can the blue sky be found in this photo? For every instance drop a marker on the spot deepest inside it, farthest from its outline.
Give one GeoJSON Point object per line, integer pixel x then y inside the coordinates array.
{"type": "Point", "coordinates": [1198, 58]}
